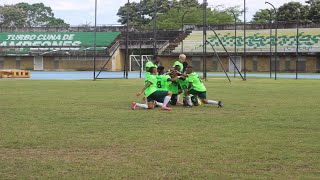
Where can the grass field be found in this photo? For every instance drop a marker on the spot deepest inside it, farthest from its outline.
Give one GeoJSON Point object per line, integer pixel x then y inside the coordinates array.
{"type": "Point", "coordinates": [86, 130]}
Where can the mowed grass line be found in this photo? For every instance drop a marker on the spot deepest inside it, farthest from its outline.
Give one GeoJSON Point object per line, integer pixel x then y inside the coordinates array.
{"type": "Point", "coordinates": [85, 129]}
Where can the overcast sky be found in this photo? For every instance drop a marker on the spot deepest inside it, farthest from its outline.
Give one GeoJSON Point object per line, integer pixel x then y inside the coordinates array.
{"type": "Point", "coordinates": [76, 12]}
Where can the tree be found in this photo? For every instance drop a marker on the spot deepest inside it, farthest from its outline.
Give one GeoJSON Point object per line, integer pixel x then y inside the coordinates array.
{"type": "Point", "coordinates": [262, 16]}
{"type": "Point", "coordinates": [40, 15]}
{"type": "Point", "coordinates": [314, 10]}
{"type": "Point", "coordinates": [288, 12]}
{"type": "Point", "coordinates": [12, 16]}
{"type": "Point", "coordinates": [171, 12]}
{"type": "Point", "coordinates": [29, 15]}
{"type": "Point", "coordinates": [147, 11]}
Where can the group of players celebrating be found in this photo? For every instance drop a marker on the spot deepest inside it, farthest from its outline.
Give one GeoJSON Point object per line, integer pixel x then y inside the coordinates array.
{"type": "Point", "coordinates": [163, 86]}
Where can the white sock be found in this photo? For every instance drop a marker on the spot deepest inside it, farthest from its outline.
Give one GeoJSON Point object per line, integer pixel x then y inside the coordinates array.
{"type": "Point", "coordinates": [166, 100]}
{"type": "Point", "coordinates": [178, 98]}
{"type": "Point", "coordinates": [144, 106]}
{"type": "Point", "coordinates": [188, 98]}
{"type": "Point", "coordinates": [212, 102]}
{"type": "Point", "coordinates": [159, 104]}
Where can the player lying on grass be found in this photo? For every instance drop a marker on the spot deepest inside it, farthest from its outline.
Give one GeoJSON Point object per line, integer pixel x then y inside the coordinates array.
{"type": "Point", "coordinates": [154, 96]}
{"type": "Point", "coordinates": [197, 88]}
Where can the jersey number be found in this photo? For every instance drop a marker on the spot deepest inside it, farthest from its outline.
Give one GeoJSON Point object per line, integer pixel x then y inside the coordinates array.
{"type": "Point", "coordinates": [159, 84]}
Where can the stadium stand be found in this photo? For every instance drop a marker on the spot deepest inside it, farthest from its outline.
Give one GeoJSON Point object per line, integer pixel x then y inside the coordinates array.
{"type": "Point", "coordinates": [258, 41]}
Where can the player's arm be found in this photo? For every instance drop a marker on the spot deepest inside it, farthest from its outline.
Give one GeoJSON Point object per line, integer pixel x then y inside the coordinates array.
{"type": "Point", "coordinates": [190, 82]}
{"type": "Point", "coordinates": [190, 85]}
{"type": "Point", "coordinates": [144, 88]}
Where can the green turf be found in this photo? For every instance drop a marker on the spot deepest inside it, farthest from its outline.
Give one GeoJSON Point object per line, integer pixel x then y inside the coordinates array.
{"type": "Point", "coordinates": [85, 130]}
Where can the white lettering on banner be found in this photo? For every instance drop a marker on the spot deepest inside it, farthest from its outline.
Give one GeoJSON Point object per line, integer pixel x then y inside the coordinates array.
{"type": "Point", "coordinates": [19, 43]}
{"type": "Point", "coordinates": [76, 43]}
{"type": "Point", "coordinates": [40, 37]}
{"type": "Point", "coordinates": [71, 37]}
{"type": "Point", "coordinates": [65, 37]}
{"type": "Point", "coordinates": [27, 43]}
{"type": "Point", "coordinates": [36, 43]}
{"type": "Point", "coordinates": [10, 37]}
{"type": "Point", "coordinates": [44, 41]}
{"type": "Point", "coordinates": [55, 43]}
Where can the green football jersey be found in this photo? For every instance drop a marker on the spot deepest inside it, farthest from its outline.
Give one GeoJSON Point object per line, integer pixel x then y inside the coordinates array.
{"type": "Point", "coordinates": [184, 83]}
{"type": "Point", "coordinates": [178, 63]}
{"type": "Point", "coordinates": [173, 87]}
{"type": "Point", "coordinates": [162, 82]}
{"type": "Point", "coordinates": [153, 87]}
{"type": "Point", "coordinates": [149, 64]}
{"type": "Point", "coordinates": [197, 83]}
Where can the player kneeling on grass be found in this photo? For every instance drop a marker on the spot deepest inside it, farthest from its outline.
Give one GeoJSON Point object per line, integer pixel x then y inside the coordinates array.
{"type": "Point", "coordinates": [197, 88]}
{"type": "Point", "coordinates": [154, 96]}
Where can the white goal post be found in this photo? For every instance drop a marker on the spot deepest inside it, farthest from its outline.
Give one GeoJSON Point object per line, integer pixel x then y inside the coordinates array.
{"type": "Point", "coordinates": [134, 62]}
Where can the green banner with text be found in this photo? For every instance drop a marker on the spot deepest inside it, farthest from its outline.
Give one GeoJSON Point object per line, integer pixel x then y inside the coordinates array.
{"type": "Point", "coordinates": [74, 40]}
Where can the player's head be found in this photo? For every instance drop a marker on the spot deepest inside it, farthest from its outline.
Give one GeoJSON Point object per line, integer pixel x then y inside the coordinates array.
{"type": "Point", "coordinates": [177, 67]}
{"type": "Point", "coordinates": [156, 59]}
{"type": "Point", "coordinates": [152, 70]}
{"type": "Point", "coordinates": [189, 70]}
{"type": "Point", "coordinates": [182, 58]}
{"type": "Point", "coordinates": [161, 70]}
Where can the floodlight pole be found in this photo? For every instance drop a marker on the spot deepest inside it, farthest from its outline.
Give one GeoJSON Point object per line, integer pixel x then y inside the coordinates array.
{"type": "Point", "coordinates": [182, 29]}
{"type": "Point", "coordinates": [140, 39]}
{"type": "Point", "coordinates": [245, 40]}
{"type": "Point", "coordinates": [297, 41]}
{"type": "Point", "coordinates": [276, 40]}
{"type": "Point", "coordinates": [155, 28]}
{"type": "Point", "coordinates": [95, 40]}
{"type": "Point", "coordinates": [270, 54]}
{"type": "Point", "coordinates": [205, 39]}
{"type": "Point", "coordinates": [235, 39]}
{"type": "Point", "coordinates": [127, 43]}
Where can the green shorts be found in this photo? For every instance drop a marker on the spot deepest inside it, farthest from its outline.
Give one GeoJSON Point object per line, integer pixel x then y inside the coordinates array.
{"type": "Point", "coordinates": [201, 95]}
{"type": "Point", "coordinates": [158, 96]}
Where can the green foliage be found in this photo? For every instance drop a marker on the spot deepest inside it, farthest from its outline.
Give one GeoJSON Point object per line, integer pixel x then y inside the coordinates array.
{"type": "Point", "coordinates": [263, 16]}
{"type": "Point", "coordinates": [314, 12]}
{"type": "Point", "coordinates": [289, 12]}
{"type": "Point", "coordinates": [12, 16]}
{"type": "Point", "coordinates": [85, 130]}
{"type": "Point", "coordinates": [170, 14]}
{"type": "Point", "coordinates": [29, 15]}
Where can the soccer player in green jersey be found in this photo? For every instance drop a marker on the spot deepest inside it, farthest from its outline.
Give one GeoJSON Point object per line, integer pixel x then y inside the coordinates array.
{"type": "Point", "coordinates": [154, 63]}
{"type": "Point", "coordinates": [153, 94]}
{"type": "Point", "coordinates": [163, 79]}
{"type": "Point", "coordinates": [197, 88]}
{"type": "Point", "coordinates": [179, 63]}
{"type": "Point", "coordinates": [168, 82]}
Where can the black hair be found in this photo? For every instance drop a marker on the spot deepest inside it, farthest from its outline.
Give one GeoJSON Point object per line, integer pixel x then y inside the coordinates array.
{"type": "Point", "coordinates": [155, 57]}
{"type": "Point", "coordinates": [160, 68]}
{"type": "Point", "coordinates": [151, 69]}
{"type": "Point", "coordinates": [190, 67]}
{"type": "Point", "coordinates": [177, 67]}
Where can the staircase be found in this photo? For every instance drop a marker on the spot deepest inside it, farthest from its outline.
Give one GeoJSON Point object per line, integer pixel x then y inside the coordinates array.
{"type": "Point", "coordinates": [176, 42]}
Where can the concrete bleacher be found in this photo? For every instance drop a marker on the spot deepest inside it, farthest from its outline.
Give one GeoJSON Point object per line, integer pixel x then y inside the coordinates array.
{"type": "Point", "coordinates": [257, 41]}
